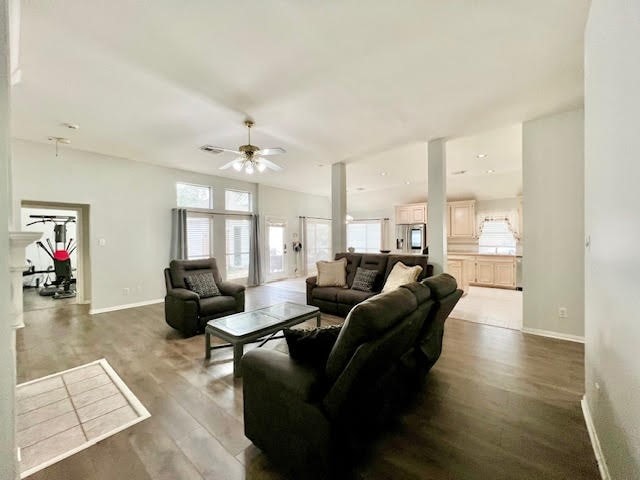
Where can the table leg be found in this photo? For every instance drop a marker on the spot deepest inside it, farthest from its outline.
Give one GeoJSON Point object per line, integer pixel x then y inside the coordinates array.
{"type": "Point", "coordinates": [318, 319]}
{"type": "Point", "coordinates": [238, 350]}
{"type": "Point", "coordinates": [207, 345]}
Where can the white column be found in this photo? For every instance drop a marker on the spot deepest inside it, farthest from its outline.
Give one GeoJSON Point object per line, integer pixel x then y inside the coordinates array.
{"type": "Point", "coordinates": [8, 458]}
{"type": "Point", "coordinates": [437, 205]}
{"type": "Point", "coordinates": [338, 207]}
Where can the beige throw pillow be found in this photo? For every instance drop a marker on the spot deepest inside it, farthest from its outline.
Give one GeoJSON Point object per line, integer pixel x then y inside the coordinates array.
{"type": "Point", "coordinates": [332, 274]}
{"type": "Point", "coordinates": [401, 275]}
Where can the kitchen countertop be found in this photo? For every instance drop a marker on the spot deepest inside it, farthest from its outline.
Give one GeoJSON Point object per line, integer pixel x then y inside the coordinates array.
{"type": "Point", "coordinates": [472, 254]}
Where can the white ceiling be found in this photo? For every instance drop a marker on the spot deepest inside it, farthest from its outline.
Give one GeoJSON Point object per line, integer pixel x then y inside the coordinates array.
{"type": "Point", "coordinates": [328, 81]}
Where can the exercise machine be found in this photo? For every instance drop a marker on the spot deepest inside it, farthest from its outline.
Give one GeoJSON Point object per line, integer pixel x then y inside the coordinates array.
{"type": "Point", "coordinates": [60, 254]}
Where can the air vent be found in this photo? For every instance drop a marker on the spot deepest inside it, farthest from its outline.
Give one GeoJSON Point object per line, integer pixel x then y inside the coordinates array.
{"type": "Point", "coordinates": [210, 149]}
{"type": "Point", "coordinates": [459, 172]}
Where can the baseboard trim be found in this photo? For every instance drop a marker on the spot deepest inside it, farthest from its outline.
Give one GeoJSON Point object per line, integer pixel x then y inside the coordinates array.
{"type": "Point", "coordinates": [595, 441]}
{"type": "Point", "coordinates": [550, 334]}
{"type": "Point", "coordinates": [97, 311]}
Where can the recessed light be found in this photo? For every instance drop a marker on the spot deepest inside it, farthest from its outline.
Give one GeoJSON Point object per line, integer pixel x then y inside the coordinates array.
{"type": "Point", "coordinates": [481, 155]}
{"type": "Point", "coordinates": [360, 189]}
{"type": "Point", "coordinates": [490, 171]}
{"type": "Point", "coordinates": [459, 172]}
{"type": "Point", "coordinates": [321, 165]}
{"type": "Point", "coordinates": [71, 126]}
{"type": "Point", "coordinates": [383, 173]}
{"type": "Point", "coordinates": [407, 182]}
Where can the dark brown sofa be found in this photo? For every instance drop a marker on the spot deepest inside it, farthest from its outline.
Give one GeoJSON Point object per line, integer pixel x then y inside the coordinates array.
{"type": "Point", "coordinates": [339, 301]}
{"type": "Point", "coordinates": [313, 421]}
{"type": "Point", "coordinates": [184, 310]}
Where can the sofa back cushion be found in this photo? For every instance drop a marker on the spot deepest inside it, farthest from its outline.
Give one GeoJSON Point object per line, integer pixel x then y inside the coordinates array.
{"type": "Point", "coordinates": [353, 262]}
{"type": "Point", "coordinates": [366, 321]}
{"type": "Point", "coordinates": [179, 269]}
{"type": "Point", "coordinates": [409, 261]}
{"type": "Point", "coordinates": [377, 262]}
{"type": "Point", "coordinates": [355, 386]}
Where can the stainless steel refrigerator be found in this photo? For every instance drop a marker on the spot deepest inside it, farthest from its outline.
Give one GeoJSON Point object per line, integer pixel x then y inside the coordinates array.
{"type": "Point", "coordinates": [411, 238]}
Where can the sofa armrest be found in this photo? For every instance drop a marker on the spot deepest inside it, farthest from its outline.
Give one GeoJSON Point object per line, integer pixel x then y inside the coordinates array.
{"type": "Point", "coordinates": [183, 294]}
{"type": "Point", "coordinates": [311, 283]}
{"type": "Point", "coordinates": [229, 288]}
{"type": "Point", "coordinates": [276, 371]}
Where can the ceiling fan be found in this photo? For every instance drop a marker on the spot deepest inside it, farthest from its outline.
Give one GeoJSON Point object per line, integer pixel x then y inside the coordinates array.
{"type": "Point", "coordinates": [251, 157]}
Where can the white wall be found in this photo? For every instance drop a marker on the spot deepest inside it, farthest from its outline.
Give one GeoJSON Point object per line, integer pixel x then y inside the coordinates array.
{"type": "Point", "coordinates": [130, 207]}
{"type": "Point", "coordinates": [612, 262]}
{"type": "Point", "coordinates": [8, 460]}
{"type": "Point", "coordinates": [289, 206]}
{"type": "Point", "coordinates": [553, 200]}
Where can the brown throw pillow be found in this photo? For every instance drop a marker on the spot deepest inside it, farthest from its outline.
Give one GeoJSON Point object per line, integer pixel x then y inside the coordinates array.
{"type": "Point", "coordinates": [312, 346]}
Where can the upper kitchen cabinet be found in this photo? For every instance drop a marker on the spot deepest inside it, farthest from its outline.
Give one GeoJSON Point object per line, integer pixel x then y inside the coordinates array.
{"type": "Point", "coordinates": [410, 214]}
{"type": "Point", "coordinates": [462, 219]}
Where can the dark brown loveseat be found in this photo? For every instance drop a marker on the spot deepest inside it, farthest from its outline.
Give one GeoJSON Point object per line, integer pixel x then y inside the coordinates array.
{"type": "Point", "coordinates": [339, 301]}
{"type": "Point", "coordinates": [312, 420]}
{"type": "Point", "coordinates": [184, 310]}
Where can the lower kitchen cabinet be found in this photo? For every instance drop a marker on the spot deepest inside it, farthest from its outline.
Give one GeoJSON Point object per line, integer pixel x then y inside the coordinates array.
{"type": "Point", "coordinates": [484, 270]}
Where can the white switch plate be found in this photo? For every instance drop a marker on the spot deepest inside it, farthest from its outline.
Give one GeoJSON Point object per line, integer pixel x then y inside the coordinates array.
{"type": "Point", "coordinates": [562, 312]}
{"type": "Point", "coordinates": [102, 242]}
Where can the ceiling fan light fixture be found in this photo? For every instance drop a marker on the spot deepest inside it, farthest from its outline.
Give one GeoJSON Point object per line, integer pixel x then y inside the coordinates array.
{"type": "Point", "coordinates": [261, 167]}
{"type": "Point", "coordinates": [249, 168]}
{"type": "Point", "coordinates": [237, 166]}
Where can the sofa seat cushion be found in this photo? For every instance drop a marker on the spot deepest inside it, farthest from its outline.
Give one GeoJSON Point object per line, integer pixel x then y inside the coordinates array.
{"type": "Point", "coordinates": [219, 304]}
{"type": "Point", "coordinates": [366, 321]}
{"type": "Point", "coordinates": [351, 297]}
{"type": "Point", "coordinates": [327, 293]}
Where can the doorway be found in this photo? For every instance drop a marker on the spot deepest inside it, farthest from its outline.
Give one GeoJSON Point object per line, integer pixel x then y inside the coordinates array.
{"type": "Point", "coordinates": [57, 265]}
{"type": "Point", "coordinates": [277, 249]}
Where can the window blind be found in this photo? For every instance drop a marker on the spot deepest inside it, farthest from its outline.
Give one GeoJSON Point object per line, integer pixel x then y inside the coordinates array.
{"type": "Point", "coordinates": [237, 247]}
{"type": "Point", "coordinates": [198, 237]}
{"type": "Point", "coordinates": [496, 237]}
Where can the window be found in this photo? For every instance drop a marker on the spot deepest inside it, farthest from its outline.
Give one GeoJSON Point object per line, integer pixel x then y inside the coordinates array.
{"type": "Point", "coordinates": [194, 196]}
{"type": "Point", "coordinates": [237, 252]}
{"type": "Point", "coordinates": [318, 240]}
{"type": "Point", "coordinates": [364, 236]}
{"type": "Point", "coordinates": [199, 236]}
{"type": "Point", "coordinates": [237, 201]}
{"type": "Point", "coordinates": [497, 237]}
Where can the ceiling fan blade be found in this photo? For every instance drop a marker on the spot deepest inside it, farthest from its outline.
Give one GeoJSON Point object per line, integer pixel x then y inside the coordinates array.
{"type": "Point", "coordinates": [271, 151]}
{"type": "Point", "coordinates": [230, 164]}
{"type": "Point", "coordinates": [216, 150]}
{"type": "Point", "coordinates": [269, 164]}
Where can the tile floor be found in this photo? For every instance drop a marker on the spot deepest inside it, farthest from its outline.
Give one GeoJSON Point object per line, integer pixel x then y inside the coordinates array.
{"type": "Point", "coordinates": [491, 306]}
{"type": "Point", "coordinates": [61, 414]}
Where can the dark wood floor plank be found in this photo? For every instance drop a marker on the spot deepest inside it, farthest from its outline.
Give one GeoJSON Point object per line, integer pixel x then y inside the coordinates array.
{"type": "Point", "coordinates": [499, 404]}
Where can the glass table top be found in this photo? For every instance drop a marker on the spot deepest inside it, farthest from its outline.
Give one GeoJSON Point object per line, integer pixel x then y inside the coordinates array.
{"type": "Point", "coordinates": [244, 323]}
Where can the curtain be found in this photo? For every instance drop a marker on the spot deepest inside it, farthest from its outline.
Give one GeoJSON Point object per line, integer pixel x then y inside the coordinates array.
{"type": "Point", "coordinates": [255, 265]}
{"type": "Point", "coordinates": [511, 217]}
{"type": "Point", "coordinates": [303, 241]}
{"type": "Point", "coordinates": [178, 234]}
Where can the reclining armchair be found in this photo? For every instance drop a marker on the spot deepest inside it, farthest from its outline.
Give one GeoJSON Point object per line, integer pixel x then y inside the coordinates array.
{"type": "Point", "coordinates": [184, 310]}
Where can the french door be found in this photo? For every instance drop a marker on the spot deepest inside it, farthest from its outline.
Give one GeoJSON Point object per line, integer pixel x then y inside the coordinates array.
{"type": "Point", "coordinates": [276, 249]}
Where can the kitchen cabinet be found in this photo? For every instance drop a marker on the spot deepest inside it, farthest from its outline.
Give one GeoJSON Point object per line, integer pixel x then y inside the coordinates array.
{"type": "Point", "coordinates": [485, 270]}
{"type": "Point", "coordinates": [411, 214]}
{"type": "Point", "coordinates": [461, 219]}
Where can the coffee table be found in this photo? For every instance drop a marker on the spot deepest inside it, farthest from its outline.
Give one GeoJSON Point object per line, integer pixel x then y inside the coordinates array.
{"type": "Point", "coordinates": [259, 325]}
